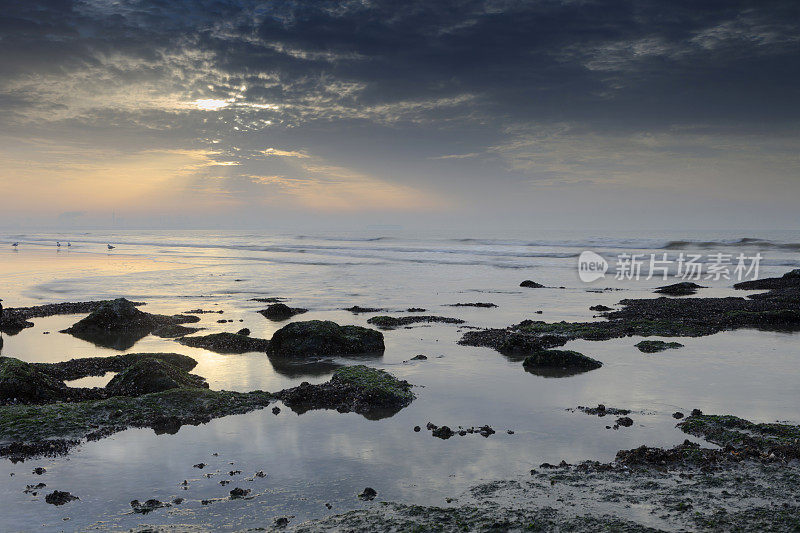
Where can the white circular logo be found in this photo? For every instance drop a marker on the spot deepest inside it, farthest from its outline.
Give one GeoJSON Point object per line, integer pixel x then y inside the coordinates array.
{"type": "Point", "coordinates": [591, 266]}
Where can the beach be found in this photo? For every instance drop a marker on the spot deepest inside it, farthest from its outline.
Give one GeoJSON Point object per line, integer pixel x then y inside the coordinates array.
{"type": "Point", "coordinates": [318, 462]}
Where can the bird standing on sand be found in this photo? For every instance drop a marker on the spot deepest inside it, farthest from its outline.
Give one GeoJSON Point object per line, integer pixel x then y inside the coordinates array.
{"type": "Point", "coordinates": [110, 247]}
{"type": "Point", "coordinates": [58, 245]}
{"type": "Point", "coordinates": [69, 244]}
{"type": "Point", "coordinates": [15, 244]}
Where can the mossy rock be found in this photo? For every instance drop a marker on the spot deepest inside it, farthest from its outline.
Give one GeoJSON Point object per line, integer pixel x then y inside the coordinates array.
{"type": "Point", "coordinates": [319, 338]}
{"type": "Point", "coordinates": [97, 366]}
{"type": "Point", "coordinates": [684, 288]}
{"type": "Point", "coordinates": [389, 322]}
{"type": "Point", "coordinates": [657, 346]}
{"type": "Point", "coordinates": [281, 311]}
{"type": "Point", "coordinates": [368, 391]}
{"type": "Point", "coordinates": [23, 382]}
{"type": "Point", "coordinates": [567, 359]}
{"type": "Point", "coordinates": [226, 343]}
{"type": "Point", "coordinates": [152, 375]}
{"type": "Point", "coordinates": [375, 386]}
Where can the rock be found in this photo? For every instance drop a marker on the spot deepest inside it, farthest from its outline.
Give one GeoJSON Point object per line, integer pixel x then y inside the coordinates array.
{"type": "Point", "coordinates": [485, 431]}
{"type": "Point", "coordinates": [566, 359]}
{"type": "Point", "coordinates": [358, 309]}
{"type": "Point", "coordinates": [697, 412]}
{"type": "Point", "coordinates": [276, 410]}
{"type": "Point", "coordinates": [281, 521]}
{"type": "Point", "coordinates": [13, 321]}
{"type": "Point", "coordinates": [684, 288]}
{"type": "Point", "coordinates": [33, 489]}
{"type": "Point", "coordinates": [243, 331]}
{"type": "Point", "coordinates": [148, 506]}
{"type": "Point", "coordinates": [119, 324]}
{"type": "Point", "coordinates": [152, 375]}
{"type": "Point", "coordinates": [389, 322]}
{"type": "Point", "coordinates": [199, 465]}
{"type": "Point", "coordinates": [415, 310]}
{"type": "Point", "coordinates": [173, 331]}
{"type": "Point", "coordinates": [417, 429]}
{"type": "Point", "coordinates": [239, 493]}
{"type": "Point", "coordinates": [24, 382]}
{"type": "Point", "coordinates": [177, 501]}
{"type": "Point", "coordinates": [39, 470]}
{"type": "Point", "coordinates": [475, 304]}
{"type": "Point", "coordinates": [98, 366]}
{"type": "Point", "coordinates": [600, 308]}
{"type": "Point", "coordinates": [281, 311]}
{"type": "Point", "coordinates": [370, 392]}
{"type": "Point", "coordinates": [419, 357]}
{"type": "Point", "coordinates": [601, 410]}
{"type": "Point", "coordinates": [318, 338]}
{"type": "Point", "coordinates": [677, 415]}
{"type": "Point", "coordinates": [531, 284]}
{"type": "Point", "coordinates": [443, 433]}
{"type": "Point", "coordinates": [624, 421]}
{"type": "Point", "coordinates": [226, 343]}
{"type": "Point", "coordinates": [368, 494]}
{"type": "Point", "coordinates": [58, 497]}
{"type": "Point", "coordinates": [657, 346]}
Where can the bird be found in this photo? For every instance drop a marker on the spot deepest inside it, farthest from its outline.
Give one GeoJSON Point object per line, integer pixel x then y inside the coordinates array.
{"type": "Point", "coordinates": [15, 244]}
{"type": "Point", "coordinates": [69, 244]}
{"type": "Point", "coordinates": [58, 244]}
{"type": "Point", "coordinates": [110, 247]}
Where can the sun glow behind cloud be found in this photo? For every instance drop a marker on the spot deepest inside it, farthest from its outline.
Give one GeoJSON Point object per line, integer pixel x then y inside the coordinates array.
{"type": "Point", "coordinates": [211, 104]}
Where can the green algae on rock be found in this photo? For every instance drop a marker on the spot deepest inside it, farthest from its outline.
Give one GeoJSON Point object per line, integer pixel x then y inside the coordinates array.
{"type": "Point", "coordinates": [776, 310]}
{"type": "Point", "coordinates": [321, 338]}
{"type": "Point", "coordinates": [657, 346]}
{"type": "Point", "coordinates": [152, 375]}
{"type": "Point", "coordinates": [98, 418]}
{"type": "Point", "coordinates": [567, 360]}
{"type": "Point", "coordinates": [226, 343]}
{"type": "Point", "coordinates": [367, 391]}
{"type": "Point", "coordinates": [23, 382]}
{"type": "Point", "coordinates": [97, 366]}
{"type": "Point", "coordinates": [390, 322]}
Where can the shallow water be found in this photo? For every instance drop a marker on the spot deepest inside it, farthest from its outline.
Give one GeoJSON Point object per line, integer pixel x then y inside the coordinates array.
{"type": "Point", "coordinates": [327, 457]}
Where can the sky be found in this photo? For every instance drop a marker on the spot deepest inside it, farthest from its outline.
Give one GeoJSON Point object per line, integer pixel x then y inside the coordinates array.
{"type": "Point", "coordinates": [480, 114]}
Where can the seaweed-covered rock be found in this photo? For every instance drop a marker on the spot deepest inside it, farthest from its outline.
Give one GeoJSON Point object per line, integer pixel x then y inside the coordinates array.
{"type": "Point", "coordinates": [226, 343]}
{"type": "Point", "coordinates": [98, 366]}
{"type": "Point", "coordinates": [281, 311]}
{"type": "Point", "coordinates": [25, 383]}
{"type": "Point", "coordinates": [119, 324]}
{"type": "Point", "coordinates": [684, 288]}
{"type": "Point", "coordinates": [367, 391]}
{"type": "Point", "coordinates": [317, 338]}
{"type": "Point", "coordinates": [474, 304]}
{"type": "Point", "coordinates": [530, 284]}
{"type": "Point", "coordinates": [560, 359]}
{"type": "Point", "coordinates": [657, 346]}
{"type": "Point", "coordinates": [13, 321]}
{"type": "Point", "coordinates": [600, 308]}
{"type": "Point", "coordinates": [389, 322]}
{"type": "Point", "coordinates": [356, 309]}
{"type": "Point", "coordinates": [60, 497]}
{"type": "Point", "coordinates": [173, 331]}
{"type": "Point", "coordinates": [151, 375]}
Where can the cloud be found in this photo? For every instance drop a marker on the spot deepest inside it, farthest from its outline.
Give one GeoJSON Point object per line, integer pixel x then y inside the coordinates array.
{"type": "Point", "coordinates": [284, 153]}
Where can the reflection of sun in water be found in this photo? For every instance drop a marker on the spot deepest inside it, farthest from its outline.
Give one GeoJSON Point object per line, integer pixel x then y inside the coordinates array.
{"type": "Point", "coordinates": [211, 104]}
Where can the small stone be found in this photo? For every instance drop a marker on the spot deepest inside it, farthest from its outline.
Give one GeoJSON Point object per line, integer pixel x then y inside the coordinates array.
{"type": "Point", "coordinates": [368, 494]}
{"type": "Point", "coordinates": [677, 415]}
{"type": "Point", "coordinates": [417, 429]}
{"type": "Point", "coordinates": [59, 497]}
{"type": "Point", "coordinates": [239, 493]}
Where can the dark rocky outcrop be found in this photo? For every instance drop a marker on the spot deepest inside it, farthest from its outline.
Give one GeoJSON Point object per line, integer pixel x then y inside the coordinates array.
{"type": "Point", "coordinates": [356, 309]}
{"type": "Point", "coordinates": [280, 311]}
{"type": "Point", "coordinates": [59, 497]}
{"type": "Point", "coordinates": [684, 288]}
{"type": "Point", "coordinates": [321, 338]}
{"type": "Point", "coordinates": [600, 308]}
{"type": "Point", "coordinates": [23, 382]}
{"type": "Point", "coordinates": [531, 284]}
{"type": "Point", "coordinates": [152, 375]}
{"type": "Point", "coordinates": [776, 310]}
{"type": "Point", "coordinates": [390, 322]}
{"type": "Point", "coordinates": [367, 391]}
{"type": "Point", "coordinates": [566, 360]}
{"type": "Point", "coordinates": [474, 304]}
{"type": "Point", "coordinates": [119, 324]}
{"type": "Point", "coordinates": [657, 346]}
{"type": "Point", "coordinates": [226, 343]}
{"type": "Point", "coordinates": [98, 366]}
{"type": "Point", "coordinates": [173, 331]}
